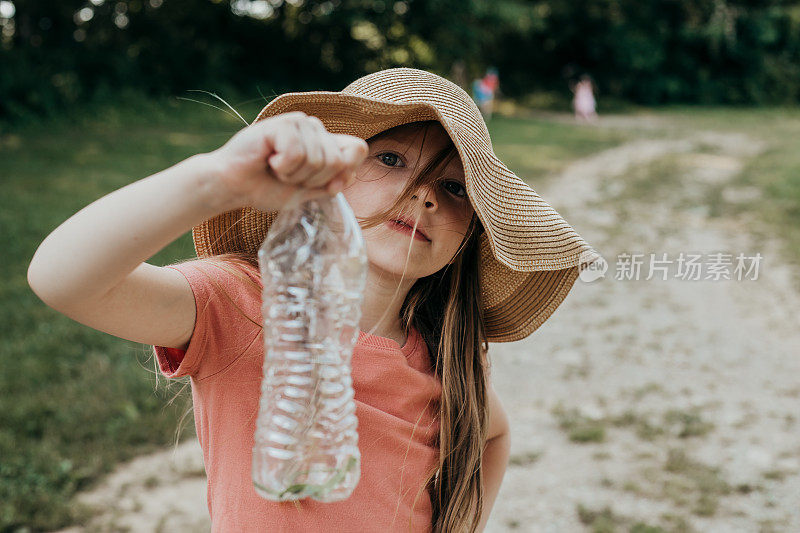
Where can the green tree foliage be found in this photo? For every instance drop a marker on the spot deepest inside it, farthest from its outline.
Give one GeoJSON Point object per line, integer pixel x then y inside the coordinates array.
{"type": "Point", "coordinates": [54, 54]}
{"type": "Point", "coordinates": [661, 51]}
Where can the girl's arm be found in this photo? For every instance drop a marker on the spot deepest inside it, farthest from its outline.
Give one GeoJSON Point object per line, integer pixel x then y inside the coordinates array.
{"type": "Point", "coordinates": [91, 268]}
{"type": "Point", "coordinates": [495, 454]}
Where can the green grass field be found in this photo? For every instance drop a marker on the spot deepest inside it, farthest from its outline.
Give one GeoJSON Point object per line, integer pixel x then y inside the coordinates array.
{"type": "Point", "coordinates": [75, 401]}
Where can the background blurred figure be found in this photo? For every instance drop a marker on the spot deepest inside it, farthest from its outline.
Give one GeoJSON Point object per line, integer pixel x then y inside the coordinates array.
{"type": "Point", "coordinates": [583, 101]}
{"type": "Point", "coordinates": [483, 91]}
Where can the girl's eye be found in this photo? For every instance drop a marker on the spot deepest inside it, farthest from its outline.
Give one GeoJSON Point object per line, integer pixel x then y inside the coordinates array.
{"type": "Point", "coordinates": [390, 159]}
{"type": "Point", "coordinates": [456, 188]}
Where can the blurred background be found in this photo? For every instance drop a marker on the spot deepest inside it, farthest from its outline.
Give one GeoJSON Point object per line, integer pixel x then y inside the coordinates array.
{"type": "Point", "coordinates": [656, 127]}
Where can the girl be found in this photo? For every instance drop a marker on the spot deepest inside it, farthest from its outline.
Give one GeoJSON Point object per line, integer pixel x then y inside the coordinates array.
{"type": "Point", "coordinates": [583, 101]}
{"type": "Point", "coordinates": [460, 252]}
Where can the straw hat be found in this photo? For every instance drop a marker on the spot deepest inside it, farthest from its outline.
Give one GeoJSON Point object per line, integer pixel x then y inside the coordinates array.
{"type": "Point", "coordinates": [529, 256]}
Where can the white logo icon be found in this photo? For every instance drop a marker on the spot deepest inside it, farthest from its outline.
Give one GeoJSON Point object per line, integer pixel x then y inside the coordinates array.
{"type": "Point", "coordinates": [594, 270]}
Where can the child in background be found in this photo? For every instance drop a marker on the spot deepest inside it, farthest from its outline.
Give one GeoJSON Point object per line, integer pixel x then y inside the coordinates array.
{"type": "Point", "coordinates": [583, 101]}
{"type": "Point", "coordinates": [483, 91]}
{"type": "Point", "coordinates": [461, 252]}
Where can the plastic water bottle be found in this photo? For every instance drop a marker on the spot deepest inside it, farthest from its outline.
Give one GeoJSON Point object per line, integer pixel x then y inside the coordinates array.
{"type": "Point", "coordinates": [313, 265]}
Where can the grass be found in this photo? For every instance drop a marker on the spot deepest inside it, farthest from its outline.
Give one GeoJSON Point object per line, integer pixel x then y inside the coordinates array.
{"type": "Point", "coordinates": [524, 459]}
{"type": "Point", "coordinates": [702, 484]}
{"type": "Point", "coordinates": [598, 520]}
{"type": "Point", "coordinates": [675, 423]}
{"type": "Point", "coordinates": [645, 430]}
{"type": "Point", "coordinates": [688, 423]}
{"type": "Point", "coordinates": [606, 520]}
{"type": "Point", "coordinates": [536, 149]}
{"type": "Point", "coordinates": [74, 401]}
{"type": "Point", "coordinates": [579, 428]}
{"type": "Point", "coordinates": [685, 482]}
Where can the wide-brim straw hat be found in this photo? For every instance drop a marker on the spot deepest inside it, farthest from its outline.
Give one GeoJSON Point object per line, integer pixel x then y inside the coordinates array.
{"type": "Point", "coordinates": [529, 256]}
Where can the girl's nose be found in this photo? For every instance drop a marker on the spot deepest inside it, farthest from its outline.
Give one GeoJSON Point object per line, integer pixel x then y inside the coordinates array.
{"type": "Point", "coordinates": [429, 198]}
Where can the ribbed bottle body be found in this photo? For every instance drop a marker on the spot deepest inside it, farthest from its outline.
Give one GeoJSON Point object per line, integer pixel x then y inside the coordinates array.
{"type": "Point", "coordinates": [313, 268]}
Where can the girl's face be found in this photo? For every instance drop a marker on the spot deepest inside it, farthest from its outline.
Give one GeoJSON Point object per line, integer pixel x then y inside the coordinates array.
{"type": "Point", "coordinates": [443, 209]}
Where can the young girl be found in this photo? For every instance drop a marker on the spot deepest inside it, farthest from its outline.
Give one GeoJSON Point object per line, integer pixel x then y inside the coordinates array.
{"type": "Point", "coordinates": [583, 101]}
{"type": "Point", "coordinates": [460, 252]}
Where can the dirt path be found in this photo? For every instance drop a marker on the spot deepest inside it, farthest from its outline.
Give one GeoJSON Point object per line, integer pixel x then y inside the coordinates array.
{"type": "Point", "coordinates": [670, 403]}
{"type": "Point", "coordinates": [676, 405]}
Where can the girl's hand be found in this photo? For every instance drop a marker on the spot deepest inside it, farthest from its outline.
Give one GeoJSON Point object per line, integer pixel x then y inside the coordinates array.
{"type": "Point", "coordinates": [265, 163]}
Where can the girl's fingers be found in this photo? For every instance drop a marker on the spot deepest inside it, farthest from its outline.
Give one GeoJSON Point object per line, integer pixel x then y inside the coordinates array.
{"type": "Point", "coordinates": [310, 156]}
{"type": "Point", "coordinates": [323, 155]}
{"type": "Point", "coordinates": [353, 149]}
{"type": "Point", "coordinates": [289, 156]}
{"type": "Point", "coordinates": [334, 163]}
{"type": "Point", "coordinates": [311, 140]}
{"type": "Point", "coordinates": [340, 181]}
{"type": "Point", "coordinates": [315, 156]}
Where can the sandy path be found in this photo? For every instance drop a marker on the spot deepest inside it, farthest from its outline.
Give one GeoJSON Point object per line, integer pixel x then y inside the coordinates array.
{"type": "Point", "coordinates": [692, 384]}
{"type": "Point", "coordinates": [717, 352]}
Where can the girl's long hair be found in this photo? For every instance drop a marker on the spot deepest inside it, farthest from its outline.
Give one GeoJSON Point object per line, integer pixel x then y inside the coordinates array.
{"type": "Point", "coordinates": [445, 308]}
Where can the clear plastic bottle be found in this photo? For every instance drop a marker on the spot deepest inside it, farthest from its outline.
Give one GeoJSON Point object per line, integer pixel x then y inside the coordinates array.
{"type": "Point", "coordinates": [313, 265]}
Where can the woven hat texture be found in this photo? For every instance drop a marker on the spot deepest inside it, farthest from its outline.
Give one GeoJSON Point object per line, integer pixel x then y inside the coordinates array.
{"type": "Point", "coordinates": [530, 256]}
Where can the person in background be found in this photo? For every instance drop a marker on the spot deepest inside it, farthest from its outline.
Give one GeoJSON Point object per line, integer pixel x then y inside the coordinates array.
{"type": "Point", "coordinates": [483, 92]}
{"type": "Point", "coordinates": [583, 100]}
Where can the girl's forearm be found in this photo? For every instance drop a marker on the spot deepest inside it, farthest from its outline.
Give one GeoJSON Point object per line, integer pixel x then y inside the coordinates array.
{"type": "Point", "coordinates": [495, 461]}
{"type": "Point", "coordinates": [101, 244]}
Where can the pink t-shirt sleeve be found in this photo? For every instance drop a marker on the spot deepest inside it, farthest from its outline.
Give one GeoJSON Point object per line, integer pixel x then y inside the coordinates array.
{"type": "Point", "coordinates": [221, 331]}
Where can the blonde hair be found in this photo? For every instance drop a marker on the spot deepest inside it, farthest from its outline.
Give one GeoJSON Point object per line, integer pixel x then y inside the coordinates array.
{"type": "Point", "coordinates": [445, 308]}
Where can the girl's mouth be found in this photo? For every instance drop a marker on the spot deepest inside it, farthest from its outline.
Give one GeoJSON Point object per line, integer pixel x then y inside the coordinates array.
{"type": "Point", "coordinates": [408, 230]}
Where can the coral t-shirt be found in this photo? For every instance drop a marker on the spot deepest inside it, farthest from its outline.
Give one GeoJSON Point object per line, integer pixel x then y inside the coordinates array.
{"type": "Point", "coordinates": [397, 398]}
